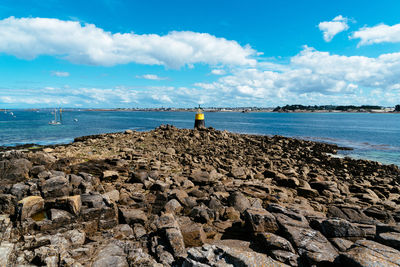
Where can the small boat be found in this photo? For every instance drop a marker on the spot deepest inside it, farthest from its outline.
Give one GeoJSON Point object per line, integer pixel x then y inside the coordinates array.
{"type": "Point", "coordinates": [75, 120]}
{"type": "Point", "coordinates": [55, 121]}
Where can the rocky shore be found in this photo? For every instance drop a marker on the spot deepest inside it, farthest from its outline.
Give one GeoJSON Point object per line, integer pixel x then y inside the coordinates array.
{"type": "Point", "coordinates": [179, 197]}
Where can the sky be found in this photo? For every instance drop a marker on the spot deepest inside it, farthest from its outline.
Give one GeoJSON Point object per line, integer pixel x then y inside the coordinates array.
{"type": "Point", "coordinates": [181, 53]}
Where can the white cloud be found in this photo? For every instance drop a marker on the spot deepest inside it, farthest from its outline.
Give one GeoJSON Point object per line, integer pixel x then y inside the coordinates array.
{"type": "Point", "coordinates": [151, 77]}
{"type": "Point", "coordinates": [60, 73]}
{"type": "Point", "coordinates": [162, 98]}
{"type": "Point", "coordinates": [28, 38]}
{"type": "Point", "coordinates": [378, 34]}
{"type": "Point", "coordinates": [218, 72]}
{"type": "Point", "coordinates": [333, 27]}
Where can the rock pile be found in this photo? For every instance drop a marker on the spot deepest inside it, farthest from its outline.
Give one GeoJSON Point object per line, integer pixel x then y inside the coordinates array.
{"type": "Point", "coordinates": [179, 197]}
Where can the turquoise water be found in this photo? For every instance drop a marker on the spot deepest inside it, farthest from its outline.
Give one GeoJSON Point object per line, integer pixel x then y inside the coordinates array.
{"type": "Point", "coordinates": [372, 136]}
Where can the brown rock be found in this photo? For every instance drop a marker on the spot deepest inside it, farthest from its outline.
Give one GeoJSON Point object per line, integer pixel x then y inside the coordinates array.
{"type": "Point", "coordinates": [270, 241]}
{"type": "Point", "coordinates": [193, 234]}
{"type": "Point", "coordinates": [132, 216]}
{"type": "Point", "coordinates": [30, 206]}
{"type": "Point", "coordinates": [110, 175]}
{"type": "Point", "coordinates": [306, 192]}
{"type": "Point", "coordinates": [260, 220]}
{"type": "Point", "coordinates": [239, 201]}
{"type": "Point", "coordinates": [173, 206]}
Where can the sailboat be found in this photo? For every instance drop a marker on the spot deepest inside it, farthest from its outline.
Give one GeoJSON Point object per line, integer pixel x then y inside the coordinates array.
{"type": "Point", "coordinates": [55, 121]}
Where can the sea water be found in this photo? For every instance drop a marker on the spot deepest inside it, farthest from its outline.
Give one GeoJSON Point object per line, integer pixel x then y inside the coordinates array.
{"type": "Point", "coordinates": [372, 136]}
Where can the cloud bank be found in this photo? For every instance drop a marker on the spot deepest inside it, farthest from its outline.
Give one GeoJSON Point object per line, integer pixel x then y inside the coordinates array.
{"type": "Point", "coordinates": [311, 74]}
{"type": "Point", "coordinates": [28, 38]}
{"type": "Point", "coordinates": [333, 27]}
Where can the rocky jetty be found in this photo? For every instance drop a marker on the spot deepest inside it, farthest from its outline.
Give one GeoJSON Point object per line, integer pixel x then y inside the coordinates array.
{"type": "Point", "coordinates": [179, 197]}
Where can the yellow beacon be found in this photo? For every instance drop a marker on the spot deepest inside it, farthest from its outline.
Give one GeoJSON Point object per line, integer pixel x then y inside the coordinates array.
{"type": "Point", "coordinates": [199, 119]}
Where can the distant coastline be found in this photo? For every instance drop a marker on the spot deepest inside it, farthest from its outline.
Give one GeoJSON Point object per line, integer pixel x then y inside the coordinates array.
{"type": "Point", "coordinates": [284, 109]}
{"type": "Point", "coordinates": [278, 109]}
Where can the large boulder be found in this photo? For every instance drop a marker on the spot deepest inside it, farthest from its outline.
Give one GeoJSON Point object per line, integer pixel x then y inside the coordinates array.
{"type": "Point", "coordinates": [14, 170]}
{"type": "Point", "coordinates": [57, 186]}
{"type": "Point", "coordinates": [391, 239]}
{"type": "Point", "coordinates": [193, 233]}
{"type": "Point", "coordinates": [365, 253]}
{"type": "Point", "coordinates": [311, 244]}
{"type": "Point", "coordinates": [343, 228]}
{"type": "Point", "coordinates": [30, 206]}
{"type": "Point", "coordinates": [169, 228]}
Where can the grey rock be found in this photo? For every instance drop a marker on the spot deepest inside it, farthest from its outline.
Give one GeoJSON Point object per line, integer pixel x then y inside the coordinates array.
{"type": "Point", "coordinates": [311, 244]}
{"type": "Point", "coordinates": [175, 241]}
{"type": "Point", "coordinates": [325, 185]}
{"type": "Point", "coordinates": [238, 172]}
{"type": "Point", "coordinates": [60, 217]}
{"type": "Point", "coordinates": [391, 239]}
{"type": "Point", "coordinates": [123, 229]}
{"type": "Point", "coordinates": [340, 243]}
{"type": "Point", "coordinates": [55, 187]}
{"type": "Point", "coordinates": [239, 201]}
{"type": "Point", "coordinates": [260, 220]}
{"type": "Point", "coordinates": [75, 180]}
{"type": "Point", "coordinates": [6, 253]}
{"type": "Point", "coordinates": [173, 206]}
{"type": "Point", "coordinates": [92, 200]}
{"type": "Point", "coordinates": [111, 255]}
{"type": "Point", "coordinates": [36, 170]}
{"type": "Point", "coordinates": [19, 190]}
{"type": "Point", "coordinates": [199, 177]}
{"type": "Point", "coordinates": [220, 255]}
{"type": "Point", "coordinates": [342, 228]}
{"type": "Point", "coordinates": [15, 170]}
{"type": "Point", "coordinates": [132, 216]}
{"type": "Point", "coordinates": [139, 258]}
{"type": "Point", "coordinates": [270, 241]}
{"type": "Point", "coordinates": [367, 253]}
{"type": "Point", "coordinates": [202, 214]}
{"type": "Point", "coordinates": [285, 256]}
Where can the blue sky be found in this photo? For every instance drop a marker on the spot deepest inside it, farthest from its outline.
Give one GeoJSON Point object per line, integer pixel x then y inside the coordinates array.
{"type": "Point", "coordinates": [182, 53]}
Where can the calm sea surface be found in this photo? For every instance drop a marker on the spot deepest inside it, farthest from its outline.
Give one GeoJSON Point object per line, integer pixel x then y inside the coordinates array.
{"type": "Point", "coordinates": [373, 136]}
